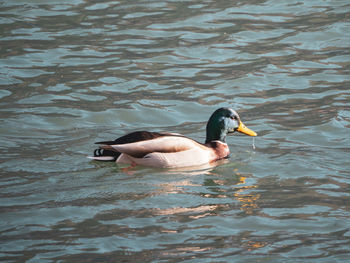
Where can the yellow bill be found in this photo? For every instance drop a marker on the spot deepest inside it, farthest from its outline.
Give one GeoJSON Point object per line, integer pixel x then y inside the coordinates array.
{"type": "Point", "coordinates": [243, 129]}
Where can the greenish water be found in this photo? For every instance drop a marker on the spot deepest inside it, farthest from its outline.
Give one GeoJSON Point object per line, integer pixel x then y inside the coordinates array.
{"type": "Point", "coordinates": [76, 72]}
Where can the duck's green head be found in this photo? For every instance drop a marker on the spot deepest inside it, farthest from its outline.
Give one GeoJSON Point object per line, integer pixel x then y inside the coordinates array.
{"type": "Point", "coordinates": [224, 121]}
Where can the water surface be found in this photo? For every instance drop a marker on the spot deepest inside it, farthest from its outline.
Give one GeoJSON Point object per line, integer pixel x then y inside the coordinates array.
{"type": "Point", "coordinates": [76, 72]}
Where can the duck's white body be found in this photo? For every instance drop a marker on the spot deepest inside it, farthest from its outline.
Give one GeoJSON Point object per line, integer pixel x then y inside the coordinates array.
{"type": "Point", "coordinates": [169, 152]}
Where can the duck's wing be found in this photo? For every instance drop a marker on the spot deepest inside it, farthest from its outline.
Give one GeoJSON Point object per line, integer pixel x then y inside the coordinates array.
{"type": "Point", "coordinates": [105, 153]}
{"type": "Point", "coordinates": [134, 137]}
{"type": "Point", "coordinates": [113, 155]}
{"type": "Point", "coordinates": [169, 143]}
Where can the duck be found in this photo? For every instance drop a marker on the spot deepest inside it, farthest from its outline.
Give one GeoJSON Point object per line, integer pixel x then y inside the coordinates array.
{"type": "Point", "coordinates": [174, 150]}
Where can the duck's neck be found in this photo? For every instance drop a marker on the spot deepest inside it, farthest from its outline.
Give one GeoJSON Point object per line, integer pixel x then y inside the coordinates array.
{"type": "Point", "coordinates": [215, 135]}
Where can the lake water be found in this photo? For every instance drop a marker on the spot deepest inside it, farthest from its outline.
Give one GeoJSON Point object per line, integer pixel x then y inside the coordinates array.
{"type": "Point", "coordinates": [75, 72]}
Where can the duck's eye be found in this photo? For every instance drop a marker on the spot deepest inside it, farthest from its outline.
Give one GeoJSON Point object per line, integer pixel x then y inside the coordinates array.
{"type": "Point", "coordinates": [233, 117]}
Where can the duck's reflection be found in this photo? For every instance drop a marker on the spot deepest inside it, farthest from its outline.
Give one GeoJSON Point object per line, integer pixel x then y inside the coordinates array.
{"type": "Point", "coordinates": [218, 185]}
{"type": "Point", "coordinates": [248, 201]}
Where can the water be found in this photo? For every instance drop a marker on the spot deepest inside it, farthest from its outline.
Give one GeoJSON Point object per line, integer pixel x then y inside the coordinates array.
{"type": "Point", "coordinates": [76, 72]}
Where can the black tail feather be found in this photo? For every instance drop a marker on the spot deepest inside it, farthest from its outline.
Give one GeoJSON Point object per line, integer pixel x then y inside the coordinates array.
{"type": "Point", "coordinates": [103, 152]}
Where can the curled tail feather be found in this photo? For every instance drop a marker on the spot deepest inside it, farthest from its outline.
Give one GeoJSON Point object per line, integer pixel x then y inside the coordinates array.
{"type": "Point", "coordinates": [105, 155]}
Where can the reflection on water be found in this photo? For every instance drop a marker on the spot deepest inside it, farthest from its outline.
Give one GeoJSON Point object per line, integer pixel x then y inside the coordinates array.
{"type": "Point", "coordinates": [249, 202]}
{"type": "Point", "coordinates": [75, 72]}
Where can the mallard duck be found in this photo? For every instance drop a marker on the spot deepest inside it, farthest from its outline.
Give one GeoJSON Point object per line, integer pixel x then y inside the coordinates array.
{"type": "Point", "coordinates": [173, 150]}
